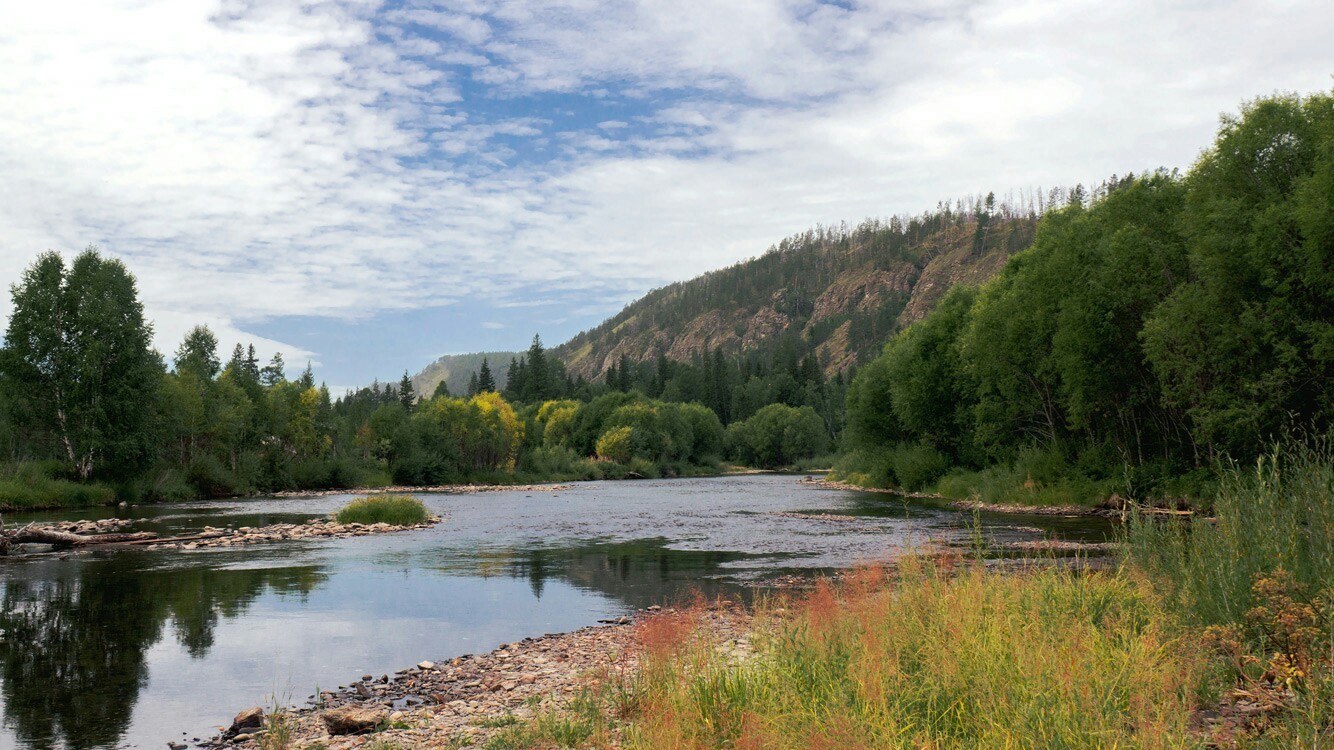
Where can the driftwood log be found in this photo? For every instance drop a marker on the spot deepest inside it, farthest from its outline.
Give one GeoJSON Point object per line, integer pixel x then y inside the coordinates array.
{"type": "Point", "coordinates": [33, 534]}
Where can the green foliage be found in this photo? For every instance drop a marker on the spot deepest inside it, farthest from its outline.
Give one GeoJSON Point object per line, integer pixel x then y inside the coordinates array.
{"type": "Point", "coordinates": [916, 466]}
{"type": "Point", "coordinates": [77, 359]}
{"type": "Point", "coordinates": [776, 436]}
{"type": "Point", "coordinates": [1146, 332]}
{"type": "Point", "coordinates": [617, 444]}
{"type": "Point", "coordinates": [30, 485]}
{"type": "Point", "coordinates": [1248, 343]}
{"type": "Point", "coordinates": [396, 510]}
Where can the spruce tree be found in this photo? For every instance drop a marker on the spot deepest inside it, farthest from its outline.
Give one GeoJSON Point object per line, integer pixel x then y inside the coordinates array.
{"type": "Point", "coordinates": [486, 382]}
{"type": "Point", "coordinates": [536, 387]}
{"type": "Point", "coordinates": [237, 363]}
{"type": "Point", "coordinates": [441, 389]}
{"type": "Point", "coordinates": [406, 394]}
{"type": "Point", "coordinates": [252, 363]}
{"type": "Point", "coordinates": [472, 384]}
{"type": "Point", "coordinates": [516, 378]}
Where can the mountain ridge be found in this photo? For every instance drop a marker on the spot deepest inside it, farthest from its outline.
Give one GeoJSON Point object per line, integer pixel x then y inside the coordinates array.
{"type": "Point", "coordinates": [839, 293]}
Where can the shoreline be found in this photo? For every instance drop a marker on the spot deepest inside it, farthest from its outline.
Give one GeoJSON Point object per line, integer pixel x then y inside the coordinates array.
{"type": "Point", "coordinates": [468, 699]}
{"type": "Point", "coordinates": [554, 485]}
{"type": "Point", "coordinates": [974, 505]}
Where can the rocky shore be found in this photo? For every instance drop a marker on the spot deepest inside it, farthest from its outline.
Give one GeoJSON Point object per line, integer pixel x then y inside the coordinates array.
{"type": "Point", "coordinates": [463, 701]}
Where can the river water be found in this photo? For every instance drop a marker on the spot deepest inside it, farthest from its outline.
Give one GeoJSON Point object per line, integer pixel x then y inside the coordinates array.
{"type": "Point", "coordinates": [135, 648]}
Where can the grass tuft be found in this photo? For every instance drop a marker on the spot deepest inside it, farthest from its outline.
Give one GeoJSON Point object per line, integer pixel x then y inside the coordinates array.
{"type": "Point", "coordinates": [396, 510]}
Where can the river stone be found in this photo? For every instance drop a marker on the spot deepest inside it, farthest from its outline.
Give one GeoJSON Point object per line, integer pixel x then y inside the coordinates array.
{"type": "Point", "coordinates": [251, 718]}
{"type": "Point", "coordinates": [353, 720]}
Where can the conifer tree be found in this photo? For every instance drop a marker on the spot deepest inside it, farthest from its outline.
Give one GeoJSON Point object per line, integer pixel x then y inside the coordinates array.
{"type": "Point", "coordinates": [406, 394]}
{"type": "Point", "coordinates": [252, 363]}
{"type": "Point", "coordinates": [441, 389]}
{"type": "Point", "coordinates": [472, 384]}
{"type": "Point", "coordinates": [486, 382]}
{"type": "Point", "coordinates": [275, 371]}
{"type": "Point", "coordinates": [536, 387]}
{"type": "Point", "coordinates": [237, 363]}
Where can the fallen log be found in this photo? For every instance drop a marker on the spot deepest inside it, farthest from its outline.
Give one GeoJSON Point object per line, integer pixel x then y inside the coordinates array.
{"type": "Point", "coordinates": [45, 535]}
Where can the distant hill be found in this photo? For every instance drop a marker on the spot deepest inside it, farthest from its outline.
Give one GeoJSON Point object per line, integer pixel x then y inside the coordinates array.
{"type": "Point", "coordinates": [454, 369]}
{"type": "Point", "coordinates": [839, 293]}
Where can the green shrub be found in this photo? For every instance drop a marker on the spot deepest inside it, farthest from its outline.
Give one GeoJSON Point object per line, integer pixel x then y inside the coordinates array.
{"type": "Point", "coordinates": [168, 485]}
{"type": "Point", "coordinates": [1041, 464]}
{"type": "Point", "coordinates": [547, 463]}
{"type": "Point", "coordinates": [395, 510]}
{"type": "Point", "coordinates": [1010, 485]}
{"type": "Point", "coordinates": [616, 444]}
{"type": "Point", "coordinates": [822, 462]}
{"type": "Point", "coordinates": [865, 467]}
{"type": "Point", "coordinates": [212, 479]}
{"type": "Point", "coordinates": [917, 465]}
{"type": "Point", "coordinates": [777, 435]}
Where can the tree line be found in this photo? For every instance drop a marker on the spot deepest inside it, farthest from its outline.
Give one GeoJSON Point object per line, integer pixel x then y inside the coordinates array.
{"type": "Point", "coordinates": [87, 403]}
{"type": "Point", "coordinates": [1175, 321]}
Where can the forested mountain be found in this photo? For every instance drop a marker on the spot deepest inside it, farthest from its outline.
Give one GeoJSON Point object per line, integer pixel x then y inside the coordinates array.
{"type": "Point", "coordinates": [835, 292]}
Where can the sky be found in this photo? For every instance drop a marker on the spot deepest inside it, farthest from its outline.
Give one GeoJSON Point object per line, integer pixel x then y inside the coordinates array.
{"type": "Point", "coordinates": [366, 185]}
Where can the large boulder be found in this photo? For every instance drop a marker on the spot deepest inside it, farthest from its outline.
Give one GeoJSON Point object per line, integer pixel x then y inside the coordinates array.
{"type": "Point", "coordinates": [353, 720]}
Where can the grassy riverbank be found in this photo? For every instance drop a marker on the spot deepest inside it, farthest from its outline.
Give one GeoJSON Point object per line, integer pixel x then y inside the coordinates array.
{"type": "Point", "coordinates": [1217, 634]}
{"type": "Point", "coordinates": [38, 486]}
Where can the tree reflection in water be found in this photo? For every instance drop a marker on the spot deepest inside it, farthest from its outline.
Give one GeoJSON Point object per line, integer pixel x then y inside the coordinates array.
{"type": "Point", "coordinates": [72, 654]}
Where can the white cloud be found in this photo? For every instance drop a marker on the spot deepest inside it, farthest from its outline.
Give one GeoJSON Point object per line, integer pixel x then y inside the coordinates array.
{"type": "Point", "coordinates": [170, 327]}
{"type": "Point", "coordinates": [257, 160]}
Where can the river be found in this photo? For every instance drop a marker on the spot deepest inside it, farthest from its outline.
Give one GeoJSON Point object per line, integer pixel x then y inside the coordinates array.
{"type": "Point", "coordinates": [134, 648]}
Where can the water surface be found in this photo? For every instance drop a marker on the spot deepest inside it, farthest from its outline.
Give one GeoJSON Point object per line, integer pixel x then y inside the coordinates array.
{"type": "Point", "coordinates": [129, 648]}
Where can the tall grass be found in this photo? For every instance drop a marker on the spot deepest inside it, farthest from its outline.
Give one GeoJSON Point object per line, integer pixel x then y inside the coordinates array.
{"type": "Point", "coordinates": [974, 659]}
{"type": "Point", "coordinates": [1277, 515]}
{"type": "Point", "coordinates": [37, 485]}
{"type": "Point", "coordinates": [395, 510]}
